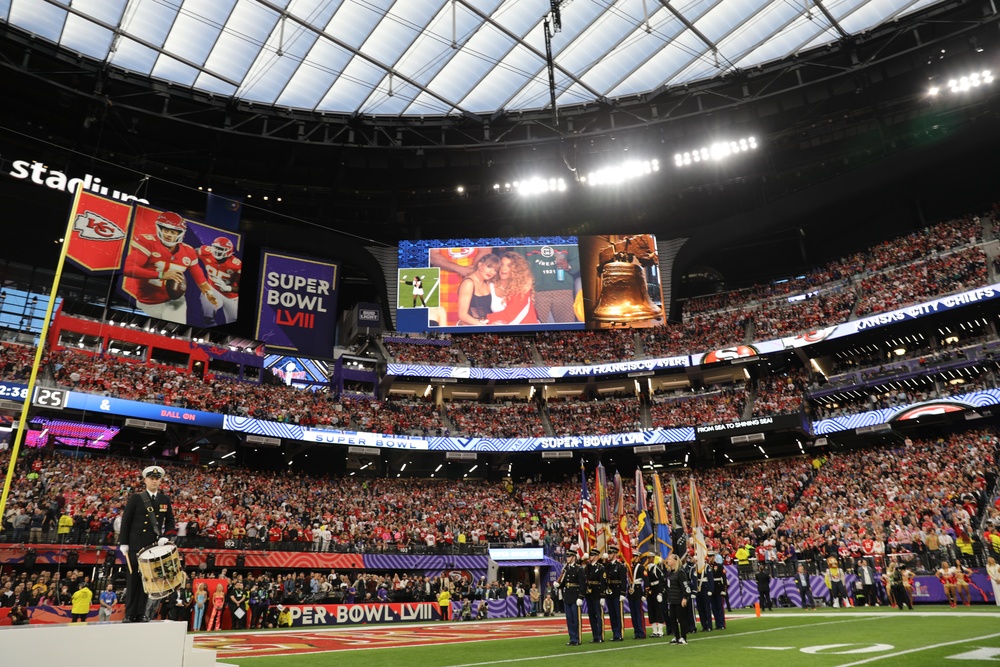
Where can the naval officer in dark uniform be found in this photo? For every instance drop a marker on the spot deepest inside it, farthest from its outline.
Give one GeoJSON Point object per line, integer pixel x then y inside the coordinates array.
{"type": "Point", "coordinates": [572, 580]}
{"type": "Point", "coordinates": [617, 575]}
{"type": "Point", "coordinates": [636, 595]}
{"type": "Point", "coordinates": [597, 584]}
{"type": "Point", "coordinates": [147, 520]}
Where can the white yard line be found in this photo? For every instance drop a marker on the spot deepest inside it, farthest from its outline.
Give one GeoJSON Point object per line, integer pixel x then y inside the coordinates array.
{"type": "Point", "coordinates": [920, 648]}
{"type": "Point", "coordinates": [648, 644]}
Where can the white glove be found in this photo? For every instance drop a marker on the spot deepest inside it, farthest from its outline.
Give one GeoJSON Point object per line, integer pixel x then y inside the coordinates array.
{"type": "Point", "coordinates": [579, 602]}
{"type": "Point", "coordinates": [124, 549]}
{"type": "Point", "coordinates": [622, 598]}
{"type": "Point", "coordinates": [643, 598]}
{"type": "Point", "coordinates": [162, 541]}
{"type": "Point", "coordinates": [710, 594]}
{"type": "Point", "coordinates": [659, 598]}
{"type": "Point", "coordinates": [555, 585]}
{"type": "Point", "coordinates": [602, 602]}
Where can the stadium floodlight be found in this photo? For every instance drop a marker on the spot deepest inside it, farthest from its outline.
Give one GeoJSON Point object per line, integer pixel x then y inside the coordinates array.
{"type": "Point", "coordinates": [620, 173]}
{"type": "Point", "coordinates": [537, 185]}
{"type": "Point", "coordinates": [717, 152]}
{"type": "Point", "coordinates": [966, 83]}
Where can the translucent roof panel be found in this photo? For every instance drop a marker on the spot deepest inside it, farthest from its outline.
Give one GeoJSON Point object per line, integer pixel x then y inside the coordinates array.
{"type": "Point", "coordinates": [86, 37]}
{"type": "Point", "coordinates": [429, 57]}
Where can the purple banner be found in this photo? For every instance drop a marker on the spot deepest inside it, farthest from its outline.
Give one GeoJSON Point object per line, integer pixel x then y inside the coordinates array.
{"type": "Point", "coordinates": [297, 310]}
{"type": "Point", "coordinates": [438, 563]}
{"type": "Point", "coordinates": [926, 589]}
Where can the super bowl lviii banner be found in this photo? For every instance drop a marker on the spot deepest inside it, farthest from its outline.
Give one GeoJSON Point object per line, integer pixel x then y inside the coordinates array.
{"type": "Point", "coordinates": [297, 310]}
{"type": "Point", "coordinates": [100, 229]}
{"type": "Point", "coordinates": [182, 271]}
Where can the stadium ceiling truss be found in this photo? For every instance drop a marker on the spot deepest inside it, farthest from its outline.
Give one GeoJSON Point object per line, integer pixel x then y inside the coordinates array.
{"type": "Point", "coordinates": [466, 73]}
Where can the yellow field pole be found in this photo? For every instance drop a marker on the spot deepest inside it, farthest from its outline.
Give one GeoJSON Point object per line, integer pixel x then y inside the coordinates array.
{"type": "Point", "coordinates": [22, 424]}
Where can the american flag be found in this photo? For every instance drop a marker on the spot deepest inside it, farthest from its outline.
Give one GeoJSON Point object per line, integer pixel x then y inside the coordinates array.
{"type": "Point", "coordinates": [587, 535]}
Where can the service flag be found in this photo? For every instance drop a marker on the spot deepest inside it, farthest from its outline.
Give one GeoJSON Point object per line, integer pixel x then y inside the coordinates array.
{"type": "Point", "coordinates": [677, 527]}
{"type": "Point", "coordinates": [100, 232]}
{"type": "Point", "coordinates": [644, 521]}
{"type": "Point", "coordinates": [617, 496]}
{"type": "Point", "coordinates": [698, 522]}
{"type": "Point", "coordinates": [601, 509]}
{"type": "Point", "coordinates": [625, 543]}
{"type": "Point", "coordinates": [664, 543]}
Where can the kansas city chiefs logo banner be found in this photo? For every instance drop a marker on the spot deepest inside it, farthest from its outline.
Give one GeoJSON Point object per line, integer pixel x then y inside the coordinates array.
{"type": "Point", "coordinates": [100, 230]}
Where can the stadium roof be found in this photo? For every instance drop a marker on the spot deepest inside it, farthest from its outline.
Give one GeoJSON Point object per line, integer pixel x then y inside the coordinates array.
{"type": "Point", "coordinates": [440, 57]}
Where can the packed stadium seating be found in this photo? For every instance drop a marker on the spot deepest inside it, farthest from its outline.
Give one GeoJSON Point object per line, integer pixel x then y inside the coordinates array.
{"type": "Point", "coordinates": [605, 415]}
{"type": "Point", "coordinates": [558, 348]}
{"type": "Point", "coordinates": [846, 497]}
{"type": "Point", "coordinates": [421, 351]}
{"type": "Point", "coordinates": [800, 503]}
{"type": "Point", "coordinates": [914, 247]}
{"type": "Point", "coordinates": [713, 406]}
{"type": "Point", "coordinates": [779, 394]}
{"type": "Point", "coordinates": [498, 420]}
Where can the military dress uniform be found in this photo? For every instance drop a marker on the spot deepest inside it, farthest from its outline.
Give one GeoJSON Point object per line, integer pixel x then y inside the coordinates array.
{"type": "Point", "coordinates": [597, 584]}
{"type": "Point", "coordinates": [636, 594]}
{"type": "Point", "coordinates": [572, 581]}
{"type": "Point", "coordinates": [720, 596]}
{"type": "Point", "coordinates": [141, 529]}
{"type": "Point", "coordinates": [692, 576]}
{"type": "Point", "coordinates": [705, 595]}
{"type": "Point", "coordinates": [656, 588]}
{"type": "Point", "coordinates": [617, 576]}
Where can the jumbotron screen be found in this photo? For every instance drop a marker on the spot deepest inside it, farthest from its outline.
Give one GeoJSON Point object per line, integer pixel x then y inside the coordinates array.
{"type": "Point", "coordinates": [565, 282]}
{"type": "Point", "coordinates": [70, 434]}
{"type": "Point", "coordinates": [297, 372]}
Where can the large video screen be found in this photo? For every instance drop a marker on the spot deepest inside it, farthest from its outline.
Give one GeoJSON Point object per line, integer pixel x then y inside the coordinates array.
{"type": "Point", "coordinates": [181, 270]}
{"type": "Point", "coordinates": [297, 372]}
{"type": "Point", "coordinates": [587, 282]}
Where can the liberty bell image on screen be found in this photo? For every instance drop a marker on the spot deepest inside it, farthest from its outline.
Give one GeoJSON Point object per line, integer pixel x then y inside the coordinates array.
{"type": "Point", "coordinates": [624, 295]}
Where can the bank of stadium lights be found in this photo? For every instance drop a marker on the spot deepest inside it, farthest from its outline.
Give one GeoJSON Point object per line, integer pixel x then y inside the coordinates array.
{"type": "Point", "coordinates": [966, 83]}
{"type": "Point", "coordinates": [716, 152]}
{"type": "Point", "coordinates": [538, 185]}
{"type": "Point", "coordinates": [531, 186]}
{"type": "Point", "coordinates": [620, 173]}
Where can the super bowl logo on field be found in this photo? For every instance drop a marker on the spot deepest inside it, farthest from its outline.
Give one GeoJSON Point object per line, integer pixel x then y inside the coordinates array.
{"type": "Point", "coordinates": [729, 354]}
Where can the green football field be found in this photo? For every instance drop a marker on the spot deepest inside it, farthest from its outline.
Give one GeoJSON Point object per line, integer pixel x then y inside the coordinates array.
{"type": "Point", "coordinates": [432, 291]}
{"type": "Point", "coordinates": [890, 638]}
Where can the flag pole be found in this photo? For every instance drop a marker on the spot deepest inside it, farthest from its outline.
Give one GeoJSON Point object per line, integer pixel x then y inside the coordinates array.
{"type": "Point", "coordinates": [39, 353]}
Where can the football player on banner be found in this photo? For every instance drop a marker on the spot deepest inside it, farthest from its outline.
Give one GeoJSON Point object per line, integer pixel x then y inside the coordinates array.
{"type": "Point", "coordinates": [156, 266]}
{"type": "Point", "coordinates": [223, 271]}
